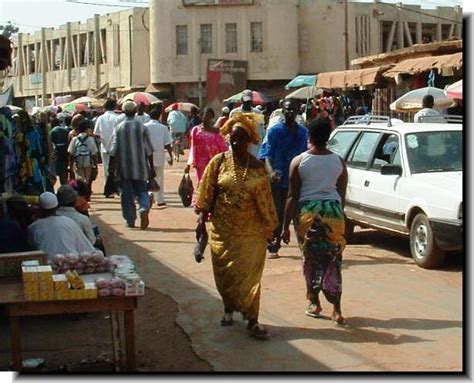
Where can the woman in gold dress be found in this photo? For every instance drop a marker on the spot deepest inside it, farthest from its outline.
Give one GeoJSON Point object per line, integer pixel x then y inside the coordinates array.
{"type": "Point", "coordinates": [235, 189]}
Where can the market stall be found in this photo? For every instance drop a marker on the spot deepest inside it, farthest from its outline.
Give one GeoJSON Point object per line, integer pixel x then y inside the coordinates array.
{"type": "Point", "coordinates": [105, 284]}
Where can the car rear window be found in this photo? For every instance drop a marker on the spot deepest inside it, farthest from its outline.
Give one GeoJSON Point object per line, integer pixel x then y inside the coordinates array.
{"type": "Point", "coordinates": [341, 142]}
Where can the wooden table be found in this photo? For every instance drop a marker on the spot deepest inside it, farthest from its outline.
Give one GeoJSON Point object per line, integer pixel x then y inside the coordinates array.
{"type": "Point", "coordinates": [15, 307]}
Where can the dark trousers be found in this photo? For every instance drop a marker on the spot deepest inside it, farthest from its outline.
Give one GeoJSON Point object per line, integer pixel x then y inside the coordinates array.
{"type": "Point", "coordinates": [279, 199]}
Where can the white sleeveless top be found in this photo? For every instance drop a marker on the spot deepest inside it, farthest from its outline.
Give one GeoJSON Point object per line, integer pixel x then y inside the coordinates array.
{"type": "Point", "coordinates": [319, 174]}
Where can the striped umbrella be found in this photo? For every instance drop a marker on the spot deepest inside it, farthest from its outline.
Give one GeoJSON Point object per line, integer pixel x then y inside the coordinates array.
{"type": "Point", "coordinates": [454, 90]}
{"type": "Point", "coordinates": [140, 97]}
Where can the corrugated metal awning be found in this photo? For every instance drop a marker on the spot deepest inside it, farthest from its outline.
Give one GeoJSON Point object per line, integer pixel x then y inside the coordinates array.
{"type": "Point", "coordinates": [350, 78]}
{"type": "Point", "coordinates": [445, 64]}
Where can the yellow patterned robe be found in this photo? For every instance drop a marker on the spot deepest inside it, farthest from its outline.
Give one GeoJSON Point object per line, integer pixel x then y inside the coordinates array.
{"type": "Point", "coordinates": [243, 217]}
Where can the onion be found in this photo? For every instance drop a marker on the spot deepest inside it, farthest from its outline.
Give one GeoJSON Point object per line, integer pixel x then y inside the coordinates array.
{"type": "Point", "coordinates": [118, 292]}
{"type": "Point", "coordinates": [59, 258]}
{"type": "Point", "coordinates": [117, 283]}
{"type": "Point", "coordinates": [104, 292]}
{"type": "Point", "coordinates": [102, 283]}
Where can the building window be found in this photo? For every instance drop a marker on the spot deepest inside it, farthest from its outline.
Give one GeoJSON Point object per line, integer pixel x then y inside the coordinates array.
{"type": "Point", "coordinates": [82, 49]}
{"type": "Point", "coordinates": [231, 38]}
{"type": "Point", "coordinates": [256, 37]}
{"type": "Point", "coordinates": [116, 44]}
{"type": "Point", "coordinates": [181, 39]}
{"type": "Point", "coordinates": [56, 55]}
{"type": "Point", "coordinates": [103, 46]}
{"type": "Point", "coordinates": [206, 38]}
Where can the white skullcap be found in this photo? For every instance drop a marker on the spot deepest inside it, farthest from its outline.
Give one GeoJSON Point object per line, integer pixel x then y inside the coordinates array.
{"type": "Point", "coordinates": [48, 200]}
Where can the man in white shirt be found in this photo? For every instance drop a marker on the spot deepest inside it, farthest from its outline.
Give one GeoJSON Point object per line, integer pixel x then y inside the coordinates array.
{"type": "Point", "coordinates": [161, 139]}
{"type": "Point", "coordinates": [104, 128]}
{"type": "Point", "coordinates": [141, 115]}
{"type": "Point", "coordinates": [54, 234]}
{"type": "Point", "coordinates": [428, 111]}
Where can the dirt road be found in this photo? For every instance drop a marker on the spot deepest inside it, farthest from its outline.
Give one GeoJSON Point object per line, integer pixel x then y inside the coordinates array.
{"type": "Point", "coordinates": [400, 317]}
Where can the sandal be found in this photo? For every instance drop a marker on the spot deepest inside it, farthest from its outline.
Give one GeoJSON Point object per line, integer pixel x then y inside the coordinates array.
{"type": "Point", "coordinates": [257, 331]}
{"type": "Point", "coordinates": [314, 310]}
{"type": "Point", "coordinates": [227, 320]}
{"type": "Point", "coordinates": [338, 319]}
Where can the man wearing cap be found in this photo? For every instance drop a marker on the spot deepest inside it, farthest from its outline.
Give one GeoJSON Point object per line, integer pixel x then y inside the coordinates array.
{"type": "Point", "coordinates": [246, 107]}
{"type": "Point", "coordinates": [54, 234]}
{"type": "Point", "coordinates": [177, 123]}
{"type": "Point", "coordinates": [67, 197]}
{"type": "Point", "coordinates": [132, 157]}
{"type": "Point", "coordinates": [223, 118]}
{"type": "Point", "coordinates": [59, 139]}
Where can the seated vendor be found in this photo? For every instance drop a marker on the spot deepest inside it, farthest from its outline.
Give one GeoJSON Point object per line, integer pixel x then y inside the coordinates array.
{"type": "Point", "coordinates": [67, 197]}
{"type": "Point", "coordinates": [12, 236]}
{"type": "Point", "coordinates": [54, 234]}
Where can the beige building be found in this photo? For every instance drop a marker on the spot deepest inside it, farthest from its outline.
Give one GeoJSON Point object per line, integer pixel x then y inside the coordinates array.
{"type": "Point", "coordinates": [277, 39]}
{"type": "Point", "coordinates": [110, 49]}
{"type": "Point", "coordinates": [280, 39]}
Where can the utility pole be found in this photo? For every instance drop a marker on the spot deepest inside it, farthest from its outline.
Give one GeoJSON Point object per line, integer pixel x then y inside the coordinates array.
{"type": "Point", "coordinates": [199, 73]}
{"type": "Point", "coordinates": [346, 34]}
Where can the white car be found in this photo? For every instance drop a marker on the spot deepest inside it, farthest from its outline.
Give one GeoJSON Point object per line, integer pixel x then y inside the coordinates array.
{"type": "Point", "coordinates": [405, 179]}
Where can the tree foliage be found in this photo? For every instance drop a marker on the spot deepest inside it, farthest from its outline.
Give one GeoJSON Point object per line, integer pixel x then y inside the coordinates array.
{"type": "Point", "coordinates": [8, 30]}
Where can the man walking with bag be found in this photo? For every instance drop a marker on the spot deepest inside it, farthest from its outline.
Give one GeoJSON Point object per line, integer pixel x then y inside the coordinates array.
{"type": "Point", "coordinates": [83, 151]}
{"type": "Point", "coordinates": [131, 154]}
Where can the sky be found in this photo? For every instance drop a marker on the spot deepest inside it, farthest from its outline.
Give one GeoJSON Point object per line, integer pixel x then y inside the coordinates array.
{"type": "Point", "coordinates": [31, 15]}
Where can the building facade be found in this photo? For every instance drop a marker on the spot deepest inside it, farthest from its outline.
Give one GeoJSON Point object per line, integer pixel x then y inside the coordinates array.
{"type": "Point", "coordinates": [169, 45]}
{"type": "Point", "coordinates": [110, 49]}
{"type": "Point", "coordinates": [280, 39]}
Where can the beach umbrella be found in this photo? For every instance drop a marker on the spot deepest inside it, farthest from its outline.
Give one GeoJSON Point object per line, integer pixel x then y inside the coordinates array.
{"type": "Point", "coordinates": [412, 101]}
{"type": "Point", "coordinates": [71, 107]}
{"type": "Point", "coordinates": [302, 80]}
{"type": "Point", "coordinates": [454, 90]}
{"type": "Point", "coordinates": [90, 101]}
{"type": "Point", "coordinates": [258, 98]}
{"type": "Point", "coordinates": [182, 106]}
{"type": "Point", "coordinates": [305, 93]}
{"type": "Point", "coordinates": [140, 97]}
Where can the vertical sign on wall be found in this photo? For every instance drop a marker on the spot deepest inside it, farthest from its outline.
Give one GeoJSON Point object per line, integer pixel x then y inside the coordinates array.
{"type": "Point", "coordinates": [224, 79]}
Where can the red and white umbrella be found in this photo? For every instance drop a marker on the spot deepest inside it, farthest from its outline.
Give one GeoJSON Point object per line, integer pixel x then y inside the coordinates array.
{"type": "Point", "coordinates": [182, 106]}
{"type": "Point", "coordinates": [454, 90]}
{"type": "Point", "coordinates": [140, 97]}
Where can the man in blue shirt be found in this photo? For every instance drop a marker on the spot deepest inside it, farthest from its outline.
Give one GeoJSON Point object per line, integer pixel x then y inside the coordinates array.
{"type": "Point", "coordinates": [283, 142]}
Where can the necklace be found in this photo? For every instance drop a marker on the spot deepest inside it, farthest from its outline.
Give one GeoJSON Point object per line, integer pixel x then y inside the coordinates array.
{"type": "Point", "coordinates": [234, 170]}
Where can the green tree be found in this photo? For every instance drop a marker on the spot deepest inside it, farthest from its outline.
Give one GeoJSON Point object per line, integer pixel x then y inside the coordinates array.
{"type": "Point", "coordinates": [9, 29]}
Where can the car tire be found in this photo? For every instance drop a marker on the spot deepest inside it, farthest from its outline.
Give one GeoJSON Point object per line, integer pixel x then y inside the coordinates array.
{"type": "Point", "coordinates": [423, 246]}
{"type": "Point", "coordinates": [348, 230]}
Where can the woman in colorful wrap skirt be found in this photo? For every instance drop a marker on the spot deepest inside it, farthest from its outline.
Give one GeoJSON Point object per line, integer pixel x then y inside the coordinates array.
{"type": "Point", "coordinates": [318, 182]}
{"type": "Point", "coordinates": [235, 188]}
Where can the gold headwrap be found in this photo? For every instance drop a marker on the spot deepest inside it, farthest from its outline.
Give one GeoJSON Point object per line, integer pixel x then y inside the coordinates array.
{"type": "Point", "coordinates": [247, 121]}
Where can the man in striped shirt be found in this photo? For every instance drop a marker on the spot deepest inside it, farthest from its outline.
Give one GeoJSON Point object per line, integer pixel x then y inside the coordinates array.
{"type": "Point", "coordinates": [132, 157]}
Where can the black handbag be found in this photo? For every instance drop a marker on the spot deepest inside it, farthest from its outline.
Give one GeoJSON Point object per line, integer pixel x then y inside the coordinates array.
{"type": "Point", "coordinates": [186, 190]}
{"type": "Point", "coordinates": [111, 186]}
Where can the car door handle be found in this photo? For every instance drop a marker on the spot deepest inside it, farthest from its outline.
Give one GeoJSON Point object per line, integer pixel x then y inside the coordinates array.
{"type": "Point", "coordinates": [366, 183]}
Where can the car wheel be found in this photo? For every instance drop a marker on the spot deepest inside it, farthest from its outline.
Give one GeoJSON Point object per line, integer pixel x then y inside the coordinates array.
{"type": "Point", "coordinates": [349, 230]}
{"type": "Point", "coordinates": [423, 246]}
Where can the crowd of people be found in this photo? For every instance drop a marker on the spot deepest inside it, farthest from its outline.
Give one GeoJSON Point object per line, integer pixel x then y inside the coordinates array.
{"type": "Point", "coordinates": [255, 173]}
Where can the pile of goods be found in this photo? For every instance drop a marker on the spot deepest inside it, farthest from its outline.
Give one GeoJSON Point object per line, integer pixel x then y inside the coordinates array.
{"type": "Point", "coordinates": [40, 284]}
{"type": "Point", "coordinates": [83, 263]}
{"type": "Point", "coordinates": [126, 280]}
{"type": "Point", "coordinates": [116, 276]}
